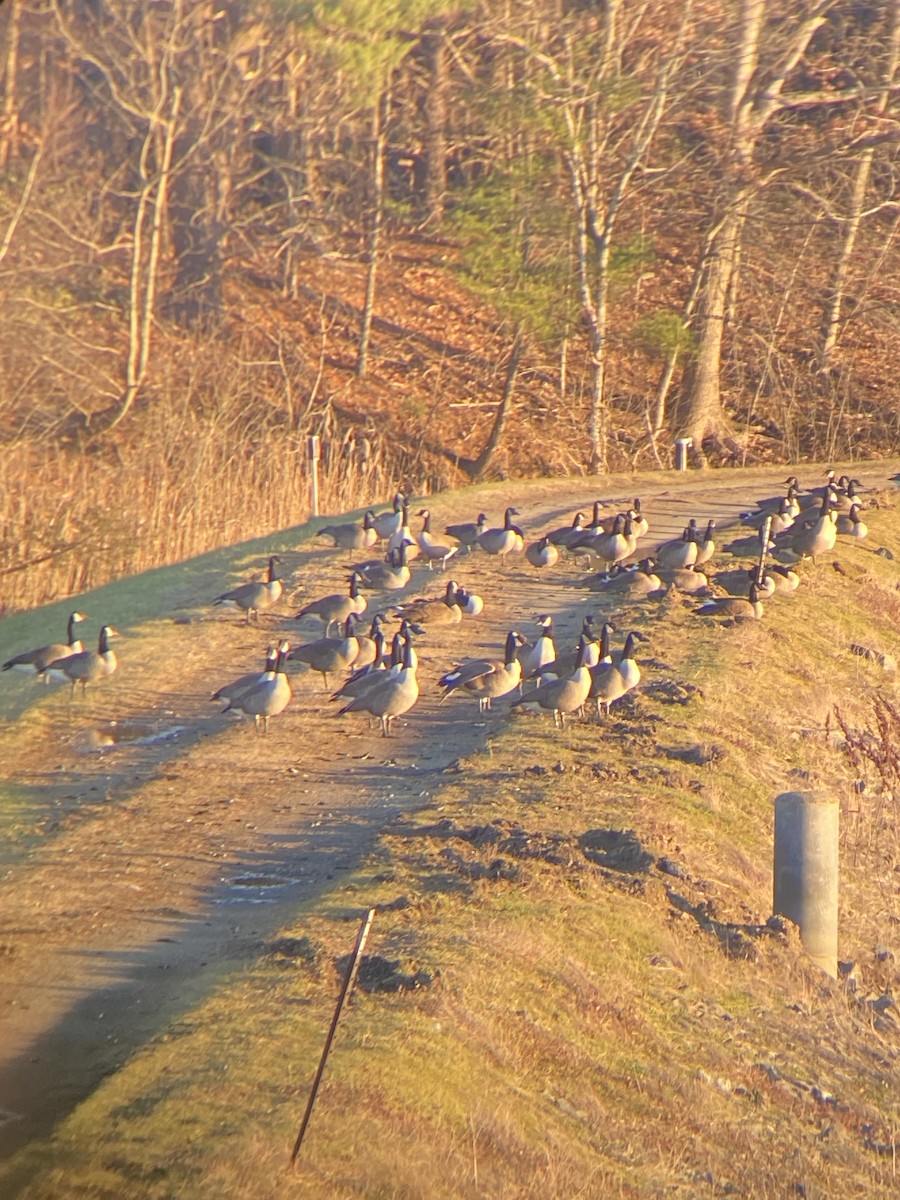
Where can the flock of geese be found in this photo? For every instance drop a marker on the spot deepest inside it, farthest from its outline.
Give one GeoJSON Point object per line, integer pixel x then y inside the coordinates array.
{"type": "Point", "coordinates": [377, 671]}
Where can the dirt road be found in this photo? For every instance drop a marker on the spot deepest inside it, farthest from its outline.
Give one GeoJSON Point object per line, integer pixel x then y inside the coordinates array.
{"type": "Point", "coordinates": [152, 843]}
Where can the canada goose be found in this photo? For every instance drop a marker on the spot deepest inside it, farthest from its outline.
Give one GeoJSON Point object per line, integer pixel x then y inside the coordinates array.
{"type": "Point", "coordinates": [432, 550]}
{"type": "Point", "coordinates": [764, 580]}
{"type": "Point", "coordinates": [502, 541]}
{"type": "Point", "coordinates": [781, 519]}
{"type": "Point", "coordinates": [780, 515]}
{"type": "Point", "coordinates": [538, 653]}
{"type": "Point", "coordinates": [591, 648]}
{"type": "Point", "coordinates": [622, 541]}
{"type": "Point", "coordinates": [679, 552]}
{"type": "Point", "coordinates": [640, 522]}
{"type": "Point", "coordinates": [352, 536]}
{"type": "Point", "coordinates": [773, 578]}
{"type": "Point", "coordinates": [402, 535]}
{"type": "Point", "coordinates": [613, 678]}
{"type": "Point", "coordinates": [336, 607]}
{"type": "Point", "coordinates": [567, 533]}
{"type": "Point", "coordinates": [733, 606]}
{"type": "Point", "coordinates": [34, 661]}
{"type": "Point", "coordinates": [374, 673]}
{"type": "Point", "coordinates": [257, 595]}
{"type": "Point", "coordinates": [470, 604]}
{"type": "Point", "coordinates": [811, 506]}
{"type": "Point", "coordinates": [442, 610]}
{"type": "Point", "coordinates": [390, 576]}
{"type": "Point", "coordinates": [817, 536]}
{"type": "Point", "coordinates": [564, 695]}
{"type": "Point", "coordinates": [468, 533]}
{"type": "Point", "coordinates": [852, 523]}
{"type": "Point", "coordinates": [642, 581]}
{"type": "Point", "coordinates": [752, 544]}
{"type": "Point", "coordinates": [597, 524]}
{"type": "Point", "coordinates": [329, 654]}
{"type": "Point", "coordinates": [88, 665]}
{"type": "Point", "coordinates": [487, 678]}
{"type": "Point", "coordinates": [814, 496]}
{"type": "Point", "coordinates": [267, 698]}
{"type": "Point", "coordinates": [389, 698]}
{"type": "Point", "coordinates": [683, 579]}
{"type": "Point", "coordinates": [612, 547]}
{"type": "Point", "coordinates": [771, 503]}
{"type": "Point", "coordinates": [387, 523]}
{"type": "Point", "coordinates": [785, 578]}
{"type": "Point", "coordinates": [706, 545]}
{"type": "Point", "coordinates": [847, 493]}
{"type": "Point", "coordinates": [370, 645]}
{"type": "Point", "coordinates": [406, 629]}
{"type": "Point", "coordinates": [231, 691]}
{"type": "Point", "coordinates": [542, 553]}
{"type": "Point", "coordinates": [365, 677]}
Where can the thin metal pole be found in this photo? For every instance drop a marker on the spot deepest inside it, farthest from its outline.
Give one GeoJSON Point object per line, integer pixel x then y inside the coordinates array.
{"type": "Point", "coordinates": [349, 978]}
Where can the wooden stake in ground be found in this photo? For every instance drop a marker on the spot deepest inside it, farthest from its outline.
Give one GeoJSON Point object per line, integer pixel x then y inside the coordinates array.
{"type": "Point", "coordinates": [349, 978]}
{"type": "Point", "coordinates": [313, 455]}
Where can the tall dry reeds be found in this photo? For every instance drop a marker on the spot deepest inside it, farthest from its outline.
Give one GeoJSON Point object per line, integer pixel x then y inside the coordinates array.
{"type": "Point", "coordinates": [185, 476]}
{"type": "Point", "coordinates": [871, 816]}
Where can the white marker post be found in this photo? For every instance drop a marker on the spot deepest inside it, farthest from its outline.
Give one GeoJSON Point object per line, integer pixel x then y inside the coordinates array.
{"type": "Point", "coordinates": [682, 445]}
{"type": "Point", "coordinates": [806, 872]}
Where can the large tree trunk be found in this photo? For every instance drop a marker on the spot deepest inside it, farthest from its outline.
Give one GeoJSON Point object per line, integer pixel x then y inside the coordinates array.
{"type": "Point", "coordinates": [435, 46]}
{"type": "Point", "coordinates": [196, 300]}
{"type": "Point", "coordinates": [699, 411]}
{"type": "Point", "coordinates": [754, 95]}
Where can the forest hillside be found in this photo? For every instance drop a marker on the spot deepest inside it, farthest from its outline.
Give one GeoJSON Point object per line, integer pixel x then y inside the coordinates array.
{"type": "Point", "coordinates": [452, 240]}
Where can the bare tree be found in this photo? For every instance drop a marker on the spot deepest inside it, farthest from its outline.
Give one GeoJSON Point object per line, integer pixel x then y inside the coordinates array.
{"type": "Point", "coordinates": [610, 86]}
{"type": "Point", "coordinates": [604, 155]}
{"type": "Point", "coordinates": [764, 55]}
{"type": "Point", "coordinates": [850, 222]}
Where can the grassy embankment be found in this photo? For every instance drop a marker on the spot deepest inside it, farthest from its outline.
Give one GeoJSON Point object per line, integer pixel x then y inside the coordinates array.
{"type": "Point", "coordinates": [596, 1026]}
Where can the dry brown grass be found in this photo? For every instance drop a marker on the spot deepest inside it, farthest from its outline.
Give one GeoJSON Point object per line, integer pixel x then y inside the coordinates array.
{"type": "Point", "coordinates": [200, 471]}
{"type": "Point", "coordinates": [587, 1032]}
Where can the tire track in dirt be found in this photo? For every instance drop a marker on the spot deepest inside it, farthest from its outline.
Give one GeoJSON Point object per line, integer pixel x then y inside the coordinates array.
{"type": "Point", "coordinates": [162, 863]}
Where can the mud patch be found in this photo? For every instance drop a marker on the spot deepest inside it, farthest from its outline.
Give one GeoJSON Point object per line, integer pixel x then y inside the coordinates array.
{"type": "Point", "coordinates": [377, 974]}
{"type": "Point", "coordinates": [616, 850]}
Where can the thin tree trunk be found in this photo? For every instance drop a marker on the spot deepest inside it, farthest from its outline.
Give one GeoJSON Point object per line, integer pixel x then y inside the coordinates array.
{"type": "Point", "coordinates": [837, 286]}
{"type": "Point", "coordinates": [374, 247]}
{"type": "Point", "coordinates": [145, 276]}
{"type": "Point", "coordinates": [9, 122]}
{"type": "Point", "coordinates": [475, 468]}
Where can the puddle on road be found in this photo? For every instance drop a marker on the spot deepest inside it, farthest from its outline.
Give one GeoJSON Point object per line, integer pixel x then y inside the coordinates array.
{"type": "Point", "coordinates": [254, 889]}
{"type": "Point", "coordinates": [111, 734]}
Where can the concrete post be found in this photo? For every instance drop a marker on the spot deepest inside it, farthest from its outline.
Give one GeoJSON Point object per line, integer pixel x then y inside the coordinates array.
{"type": "Point", "coordinates": [313, 454]}
{"type": "Point", "coordinates": [805, 884]}
{"type": "Point", "coordinates": [682, 445]}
